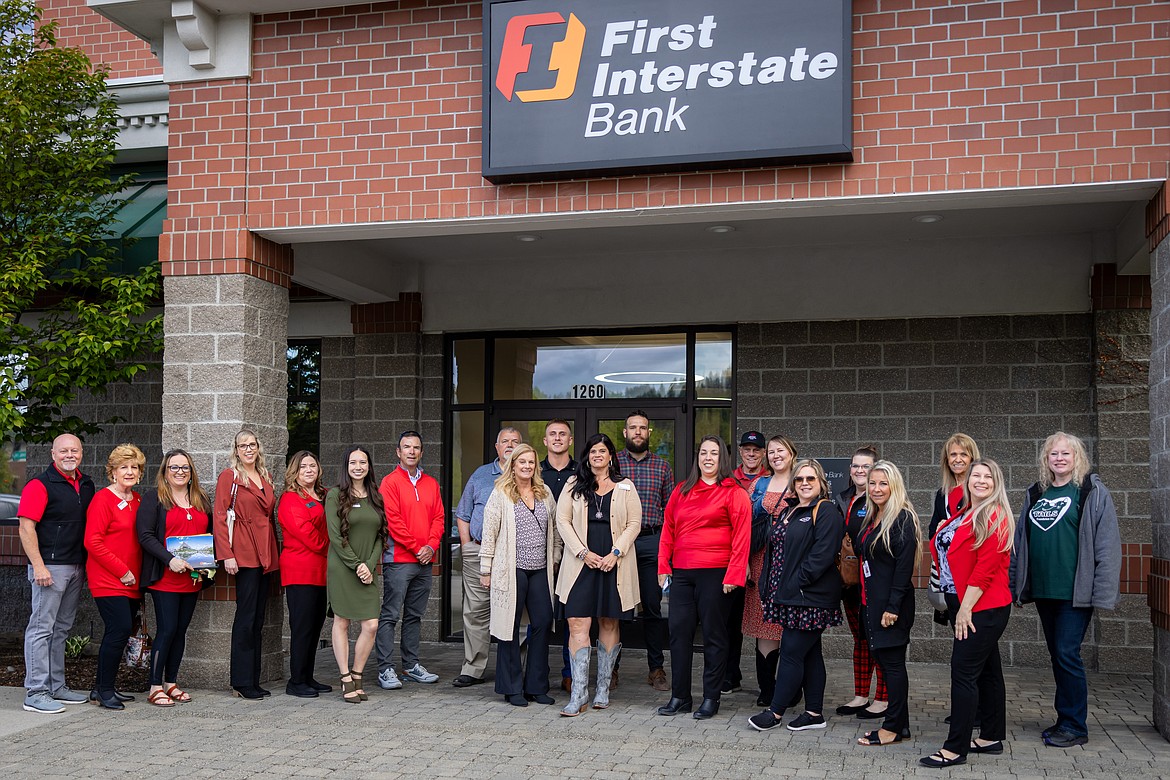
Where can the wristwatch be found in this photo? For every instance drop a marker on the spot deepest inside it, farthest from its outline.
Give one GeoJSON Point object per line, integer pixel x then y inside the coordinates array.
{"type": "Point", "coordinates": [617, 553]}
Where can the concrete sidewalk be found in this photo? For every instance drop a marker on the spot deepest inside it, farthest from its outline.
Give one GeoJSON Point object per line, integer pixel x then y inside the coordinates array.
{"type": "Point", "coordinates": [437, 730]}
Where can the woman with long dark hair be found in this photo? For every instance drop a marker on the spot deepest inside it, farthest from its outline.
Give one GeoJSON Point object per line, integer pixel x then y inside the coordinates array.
{"type": "Point", "coordinates": [706, 534]}
{"type": "Point", "coordinates": [888, 548]}
{"type": "Point", "coordinates": [357, 536]}
{"type": "Point", "coordinates": [303, 561]}
{"type": "Point", "coordinates": [801, 590]}
{"type": "Point", "coordinates": [973, 552]}
{"type": "Point", "coordinates": [176, 507]}
{"type": "Point", "coordinates": [599, 515]}
{"type": "Point", "coordinates": [113, 564]}
{"type": "Point", "coordinates": [247, 547]}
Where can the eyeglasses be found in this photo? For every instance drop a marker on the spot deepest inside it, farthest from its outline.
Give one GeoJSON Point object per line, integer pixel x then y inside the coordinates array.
{"type": "Point", "coordinates": [802, 480]}
{"type": "Point", "coordinates": [860, 467]}
{"type": "Point", "coordinates": [178, 469]}
{"type": "Point", "coordinates": [248, 447]}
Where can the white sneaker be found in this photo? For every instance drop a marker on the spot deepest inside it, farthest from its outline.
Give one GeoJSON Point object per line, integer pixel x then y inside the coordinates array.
{"type": "Point", "coordinates": [420, 675]}
{"type": "Point", "coordinates": [388, 679]}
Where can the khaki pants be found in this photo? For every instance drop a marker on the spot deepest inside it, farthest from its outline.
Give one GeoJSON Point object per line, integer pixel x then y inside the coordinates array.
{"type": "Point", "coordinates": [477, 608]}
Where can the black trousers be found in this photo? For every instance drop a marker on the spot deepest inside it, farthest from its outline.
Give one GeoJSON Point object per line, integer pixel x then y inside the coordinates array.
{"type": "Point", "coordinates": [696, 596]}
{"type": "Point", "coordinates": [306, 615]}
{"type": "Point", "coordinates": [802, 663]}
{"type": "Point", "coordinates": [977, 682]}
{"type": "Point", "coordinates": [251, 602]}
{"type": "Point", "coordinates": [653, 624]}
{"type": "Point", "coordinates": [172, 616]}
{"type": "Point", "coordinates": [892, 661]}
{"type": "Point", "coordinates": [735, 637]}
{"type": "Point", "coordinates": [511, 679]}
{"type": "Point", "coordinates": [118, 617]}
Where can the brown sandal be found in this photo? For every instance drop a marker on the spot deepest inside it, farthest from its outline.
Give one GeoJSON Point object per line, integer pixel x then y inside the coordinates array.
{"type": "Point", "coordinates": [178, 695]}
{"type": "Point", "coordinates": [349, 689]}
{"type": "Point", "coordinates": [160, 699]}
{"type": "Point", "coordinates": [357, 678]}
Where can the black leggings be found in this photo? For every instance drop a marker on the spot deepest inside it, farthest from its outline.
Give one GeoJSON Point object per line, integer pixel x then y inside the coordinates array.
{"type": "Point", "coordinates": [118, 616]}
{"type": "Point", "coordinates": [172, 616]}
{"type": "Point", "coordinates": [801, 664]}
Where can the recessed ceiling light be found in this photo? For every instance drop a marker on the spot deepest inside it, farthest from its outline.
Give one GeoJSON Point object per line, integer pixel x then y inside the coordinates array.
{"type": "Point", "coordinates": [928, 219]}
{"type": "Point", "coordinates": [721, 229]}
{"type": "Point", "coordinates": [527, 238]}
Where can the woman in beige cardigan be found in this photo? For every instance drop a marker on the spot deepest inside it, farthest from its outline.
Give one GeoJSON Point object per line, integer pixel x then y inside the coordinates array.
{"type": "Point", "coordinates": [520, 548]}
{"type": "Point", "coordinates": [599, 516]}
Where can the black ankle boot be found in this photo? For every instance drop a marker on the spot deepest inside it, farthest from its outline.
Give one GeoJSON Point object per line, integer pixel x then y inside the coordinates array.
{"type": "Point", "coordinates": [766, 675]}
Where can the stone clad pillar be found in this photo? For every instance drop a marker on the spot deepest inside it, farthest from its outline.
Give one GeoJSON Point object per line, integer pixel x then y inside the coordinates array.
{"type": "Point", "coordinates": [226, 336]}
{"type": "Point", "coordinates": [1158, 223]}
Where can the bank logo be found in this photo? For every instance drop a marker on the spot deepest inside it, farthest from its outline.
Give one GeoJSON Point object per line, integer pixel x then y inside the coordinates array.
{"type": "Point", "coordinates": [564, 59]}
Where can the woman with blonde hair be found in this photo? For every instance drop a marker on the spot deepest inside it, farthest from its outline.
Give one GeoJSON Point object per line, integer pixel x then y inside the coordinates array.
{"type": "Point", "coordinates": [303, 561]}
{"type": "Point", "coordinates": [973, 552]}
{"type": "Point", "coordinates": [958, 453]}
{"type": "Point", "coordinates": [520, 550]}
{"type": "Point", "coordinates": [1067, 559]}
{"type": "Point", "coordinates": [246, 543]}
{"type": "Point", "coordinates": [801, 590]}
{"type": "Point", "coordinates": [176, 507]}
{"type": "Point", "coordinates": [113, 564]}
{"type": "Point", "coordinates": [889, 548]}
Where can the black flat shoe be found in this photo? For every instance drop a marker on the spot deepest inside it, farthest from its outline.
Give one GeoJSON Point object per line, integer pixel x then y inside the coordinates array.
{"type": "Point", "coordinates": [107, 701]}
{"type": "Point", "coordinates": [247, 692]}
{"type": "Point", "coordinates": [263, 691]}
{"type": "Point", "coordinates": [847, 709]}
{"type": "Point", "coordinates": [867, 714]}
{"type": "Point", "coordinates": [93, 697]}
{"type": "Point", "coordinates": [516, 700]}
{"type": "Point", "coordinates": [320, 687]}
{"type": "Point", "coordinates": [301, 691]}
{"type": "Point", "coordinates": [708, 709]}
{"type": "Point", "coordinates": [540, 698]}
{"type": "Point", "coordinates": [676, 706]}
{"type": "Point", "coordinates": [939, 761]}
{"type": "Point", "coordinates": [995, 748]}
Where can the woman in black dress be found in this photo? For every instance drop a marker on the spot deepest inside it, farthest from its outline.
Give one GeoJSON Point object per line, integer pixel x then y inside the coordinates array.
{"type": "Point", "coordinates": [599, 516]}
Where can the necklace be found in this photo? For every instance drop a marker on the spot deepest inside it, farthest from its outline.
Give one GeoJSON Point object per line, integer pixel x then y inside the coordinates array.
{"type": "Point", "coordinates": [186, 507]}
{"type": "Point", "coordinates": [598, 514]}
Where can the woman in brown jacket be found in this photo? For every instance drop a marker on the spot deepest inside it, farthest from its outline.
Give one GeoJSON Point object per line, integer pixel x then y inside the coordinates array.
{"type": "Point", "coordinates": [247, 547]}
{"type": "Point", "coordinates": [599, 516]}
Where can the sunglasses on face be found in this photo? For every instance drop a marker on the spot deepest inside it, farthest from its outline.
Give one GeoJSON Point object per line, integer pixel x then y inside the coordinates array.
{"type": "Point", "coordinates": [802, 480]}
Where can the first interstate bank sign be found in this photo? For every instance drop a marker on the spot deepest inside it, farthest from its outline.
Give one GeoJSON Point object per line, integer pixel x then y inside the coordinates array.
{"type": "Point", "coordinates": [594, 87]}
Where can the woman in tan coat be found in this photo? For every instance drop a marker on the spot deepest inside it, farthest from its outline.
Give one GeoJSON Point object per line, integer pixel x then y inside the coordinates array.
{"type": "Point", "coordinates": [247, 547]}
{"type": "Point", "coordinates": [520, 548]}
{"type": "Point", "coordinates": [599, 516]}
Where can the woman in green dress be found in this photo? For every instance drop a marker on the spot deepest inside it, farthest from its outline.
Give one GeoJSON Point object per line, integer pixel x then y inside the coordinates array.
{"type": "Point", "coordinates": [357, 534]}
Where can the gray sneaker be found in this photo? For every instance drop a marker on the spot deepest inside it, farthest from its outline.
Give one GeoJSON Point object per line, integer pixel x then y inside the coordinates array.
{"type": "Point", "coordinates": [43, 703]}
{"type": "Point", "coordinates": [419, 674]}
{"type": "Point", "coordinates": [388, 679]}
{"type": "Point", "coordinates": [67, 695]}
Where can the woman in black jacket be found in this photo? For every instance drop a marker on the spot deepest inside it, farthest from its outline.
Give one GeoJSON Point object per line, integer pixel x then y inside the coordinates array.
{"type": "Point", "coordinates": [801, 589]}
{"type": "Point", "coordinates": [177, 507]}
{"type": "Point", "coordinates": [889, 548]}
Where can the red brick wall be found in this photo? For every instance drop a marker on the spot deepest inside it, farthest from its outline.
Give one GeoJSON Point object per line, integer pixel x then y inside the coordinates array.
{"type": "Point", "coordinates": [104, 42]}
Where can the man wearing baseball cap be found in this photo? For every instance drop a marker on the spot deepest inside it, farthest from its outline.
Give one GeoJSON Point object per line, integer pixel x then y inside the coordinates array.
{"type": "Point", "coordinates": [752, 464]}
{"type": "Point", "coordinates": [751, 459]}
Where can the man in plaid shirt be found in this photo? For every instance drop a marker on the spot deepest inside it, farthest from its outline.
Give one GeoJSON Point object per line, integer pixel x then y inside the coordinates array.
{"type": "Point", "coordinates": [654, 481]}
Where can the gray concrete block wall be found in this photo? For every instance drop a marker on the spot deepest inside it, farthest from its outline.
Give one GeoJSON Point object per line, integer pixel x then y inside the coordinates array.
{"type": "Point", "coordinates": [1159, 400]}
{"type": "Point", "coordinates": [906, 385]}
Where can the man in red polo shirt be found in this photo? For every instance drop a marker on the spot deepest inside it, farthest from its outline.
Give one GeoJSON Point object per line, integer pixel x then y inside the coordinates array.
{"type": "Point", "coordinates": [52, 531]}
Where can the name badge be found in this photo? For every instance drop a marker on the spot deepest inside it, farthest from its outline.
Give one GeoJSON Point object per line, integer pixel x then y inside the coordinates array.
{"type": "Point", "coordinates": [310, 505]}
{"type": "Point", "coordinates": [865, 567]}
{"type": "Point", "coordinates": [123, 504]}
{"type": "Point", "coordinates": [357, 506]}
{"type": "Point", "coordinates": [624, 486]}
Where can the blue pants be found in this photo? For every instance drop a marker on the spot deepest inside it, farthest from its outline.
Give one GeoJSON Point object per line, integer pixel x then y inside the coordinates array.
{"type": "Point", "coordinates": [1064, 630]}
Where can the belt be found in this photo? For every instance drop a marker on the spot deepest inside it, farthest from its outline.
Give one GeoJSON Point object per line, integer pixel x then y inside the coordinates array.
{"type": "Point", "coordinates": [650, 532]}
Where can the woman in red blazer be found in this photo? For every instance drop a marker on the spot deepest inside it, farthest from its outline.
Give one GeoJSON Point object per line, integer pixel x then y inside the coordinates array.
{"type": "Point", "coordinates": [303, 561]}
{"type": "Point", "coordinates": [973, 550]}
{"type": "Point", "coordinates": [248, 551]}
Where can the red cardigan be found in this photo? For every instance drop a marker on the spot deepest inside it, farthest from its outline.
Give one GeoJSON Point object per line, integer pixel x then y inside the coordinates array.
{"type": "Point", "coordinates": [985, 568]}
{"type": "Point", "coordinates": [306, 543]}
{"type": "Point", "coordinates": [111, 539]}
{"type": "Point", "coordinates": [708, 528]}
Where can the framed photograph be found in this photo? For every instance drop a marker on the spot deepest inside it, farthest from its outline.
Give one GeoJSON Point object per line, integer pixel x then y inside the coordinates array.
{"type": "Point", "coordinates": [198, 550]}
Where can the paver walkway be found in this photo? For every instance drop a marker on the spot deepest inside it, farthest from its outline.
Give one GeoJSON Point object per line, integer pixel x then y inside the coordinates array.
{"type": "Point", "coordinates": [439, 731]}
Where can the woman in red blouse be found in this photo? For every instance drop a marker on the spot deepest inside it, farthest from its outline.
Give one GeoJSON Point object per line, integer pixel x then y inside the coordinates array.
{"type": "Point", "coordinates": [113, 563]}
{"type": "Point", "coordinates": [973, 551]}
{"type": "Point", "coordinates": [177, 507]}
{"type": "Point", "coordinates": [706, 534]}
{"type": "Point", "coordinates": [303, 562]}
{"type": "Point", "coordinates": [248, 551]}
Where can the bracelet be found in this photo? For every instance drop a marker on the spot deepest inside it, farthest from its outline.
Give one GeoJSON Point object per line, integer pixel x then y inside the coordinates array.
{"type": "Point", "coordinates": [581, 555]}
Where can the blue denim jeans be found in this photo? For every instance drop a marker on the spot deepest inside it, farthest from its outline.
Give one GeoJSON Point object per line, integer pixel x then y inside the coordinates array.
{"type": "Point", "coordinates": [1064, 631]}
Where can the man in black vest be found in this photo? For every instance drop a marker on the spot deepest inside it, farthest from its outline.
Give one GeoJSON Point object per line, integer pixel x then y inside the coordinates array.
{"type": "Point", "coordinates": [52, 532]}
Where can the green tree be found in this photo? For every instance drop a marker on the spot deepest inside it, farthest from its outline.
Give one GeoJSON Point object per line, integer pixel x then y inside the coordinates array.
{"type": "Point", "coordinates": [68, 324]}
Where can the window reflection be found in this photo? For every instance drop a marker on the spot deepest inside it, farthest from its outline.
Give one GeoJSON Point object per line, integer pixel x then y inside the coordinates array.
{"type": "Point", "coordinates": [467, 369]}
{"type": "Point", "coordinates": [713, 366]}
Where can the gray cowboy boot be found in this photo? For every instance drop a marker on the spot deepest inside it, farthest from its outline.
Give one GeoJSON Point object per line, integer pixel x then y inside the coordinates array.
{"type": "Point", "coordinates": [605, 661]}
{"type": "Point", "coordinates": [579, 698]}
